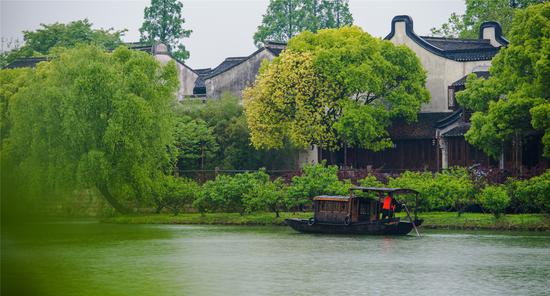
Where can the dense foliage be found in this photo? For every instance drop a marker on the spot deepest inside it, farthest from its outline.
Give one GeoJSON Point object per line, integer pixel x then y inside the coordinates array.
{"type": "Point", "coordinates": [226, 192]}
{"type": "Point", "coordinates": [11, 81]}
{"type": "Point", "coordinates": [449, 189]}
{"type": "Point", "coordinates": [91, 119]}
{"type": "Point", "coordinates": [267, 196]}
{"type": "Point", "coordinates": [494, 199]}
{"type": "Point", "coordinates": [515, 100]}
{"type": "Point", "coordinates": [176, 192]}
{"type": "Point", "coordinates": [531, 195]}
{"type": "Point", "coordinates": [286, 18]}
{"type": "Point", "coordinates": [163, 23]}
{"type": "Point", "coordinates": [332, 87]}
{"type": "Point", "coordinates": [479, 11]}
{"type": "Point", "coordinates": [222, 121]}
{"type": "Point", "coordinates": [317, 179]}
{"type": "Point", "coordinates": [42, 41]}
{"type": "Point", "coordinates": [195, 143]}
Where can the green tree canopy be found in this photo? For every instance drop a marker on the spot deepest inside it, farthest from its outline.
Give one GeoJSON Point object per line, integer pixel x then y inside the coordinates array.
{"type": "Point", "coordinates": [479, 11]}
{"type": "Point", "coordinates": [11, 81]}
{"type": "Point", "coordinates": [90, 119]}
{"type": "Point", "coordinates": [48, 37]}
{"type": "Point", "coordinates": [41, 41]}
{"type": "Point", "coordinates": [195, 143]}
{"type": "Point", "coordinates": [286, 18]}
{"type": "Point", "coordinates": [227, 124]}
{"type": "Point", "coordinates": [516, 98]}
{"type": "Point", "coordinates": [163, 23]}
{"type": "Point", "coordinates": [334, 86]}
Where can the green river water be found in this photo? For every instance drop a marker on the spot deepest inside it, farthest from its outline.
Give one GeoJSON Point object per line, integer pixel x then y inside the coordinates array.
{"type": "Point", "coordinates": [90, 258]}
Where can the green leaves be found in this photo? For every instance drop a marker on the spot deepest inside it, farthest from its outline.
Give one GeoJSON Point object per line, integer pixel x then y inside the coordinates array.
{"type": "Point", "coordinates": [195, 143]}
{"type": "Point", "coordinates": [512, 102]}
{"type": "Point", "coordinates": [163, 23]}
{"type": "Point", "coordinates": [286, 18]}
{"type": "Point", "coordinates": [448, 189]}
{"type": "Point", "coordinates": [494, 199]}
{"type": "Point", "coordinates": [47, 39]}
{"type": "Point", "coordinates": [226, 193]}
{"type": "Point", "coordinates": [336, 86]}
{"type": "Point", "coordinates": [176, 192]}
{"type": "Point", "coordinates": [90, 118]}
{"type": "Point", "coordinates": [533, 193]}
{"type": "Point", "coordinates": [317, 179]}
{"type": "Point", "coordinates": [477, 12]}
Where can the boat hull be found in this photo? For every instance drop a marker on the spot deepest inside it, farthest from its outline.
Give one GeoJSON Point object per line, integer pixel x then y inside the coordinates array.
{"type": "Point", "coordinates": [368, 228]}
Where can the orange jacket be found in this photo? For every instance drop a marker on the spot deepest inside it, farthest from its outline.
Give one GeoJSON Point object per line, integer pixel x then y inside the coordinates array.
{"type": "Point", "coordinates": [387, 203]}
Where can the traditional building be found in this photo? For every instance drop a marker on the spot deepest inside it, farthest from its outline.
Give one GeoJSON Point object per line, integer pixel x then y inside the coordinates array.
{"type": "Point", "coordinates": [436, 141]}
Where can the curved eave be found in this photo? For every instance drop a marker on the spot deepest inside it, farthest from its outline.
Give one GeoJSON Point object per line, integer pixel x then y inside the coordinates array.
{"type": "Point", "coordinates": [430, 47]}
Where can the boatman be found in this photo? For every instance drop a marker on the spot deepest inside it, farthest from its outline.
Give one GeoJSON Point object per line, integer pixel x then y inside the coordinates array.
{"type": "Point", "coordinates": [387, 207]}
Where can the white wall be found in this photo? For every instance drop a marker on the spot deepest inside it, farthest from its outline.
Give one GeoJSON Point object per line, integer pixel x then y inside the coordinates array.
{"type": "Point", "coordinates": [441, 72]}
{"type": "Point", "coordinates": [236, 79]}
{"type": "Point", "coordinates": [186, 76]}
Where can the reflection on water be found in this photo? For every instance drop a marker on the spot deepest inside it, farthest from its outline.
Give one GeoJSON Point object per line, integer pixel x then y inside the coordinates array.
{"type": "Point", "coordinates": [102, 259]}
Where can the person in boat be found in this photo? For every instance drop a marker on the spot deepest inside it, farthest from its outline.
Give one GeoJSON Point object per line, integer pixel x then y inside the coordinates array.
{"type": "Point", "coordinates": [388, 207]}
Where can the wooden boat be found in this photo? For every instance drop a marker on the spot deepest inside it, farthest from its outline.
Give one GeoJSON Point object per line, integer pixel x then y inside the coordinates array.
{"type": "Point", "coordinates": [359, 213]}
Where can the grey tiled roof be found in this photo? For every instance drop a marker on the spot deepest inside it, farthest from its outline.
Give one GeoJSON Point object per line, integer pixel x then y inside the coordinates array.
{"type": "Point", "coordinates": [25, 62]}
{"type": "Point", "coordinates": [462, 81]}
{"type": "Point", "coordinates": [458, 131]}
{"type": "Point", "coordinates": [423, 128]}
{"type": "Point", "coordinates": [458, 44]}
{"type": "Point", "coordinates": [463, 49]}
{"type": "Point", "coordinates": [452, 48]}
{"type": "Point", "coordinates": [140, 46]}
{"type": "Point", "coordinates": [204, 71]}
{"type": "Point", "coordinates": [225, 65]}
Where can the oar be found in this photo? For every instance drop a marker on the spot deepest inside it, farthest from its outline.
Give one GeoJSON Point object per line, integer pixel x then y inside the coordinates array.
{"type": "Point", "coordinates": [410, 219]}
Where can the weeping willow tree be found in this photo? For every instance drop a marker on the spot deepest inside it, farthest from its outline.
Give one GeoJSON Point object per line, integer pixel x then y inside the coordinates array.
{"type": "Point", "coordinates": [91, 119]}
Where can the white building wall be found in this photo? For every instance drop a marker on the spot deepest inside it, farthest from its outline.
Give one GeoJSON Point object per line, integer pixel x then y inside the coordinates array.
{"type": "Point", "coordinates": [441, 72]}
{"type": "Point", "coordinates": [236, 79]}
{"type": "Point", "coordinates": [186, 76]}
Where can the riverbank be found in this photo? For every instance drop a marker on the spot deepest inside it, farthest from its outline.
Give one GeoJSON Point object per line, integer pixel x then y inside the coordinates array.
{"type": "Point", "coordinates": [432, 220]}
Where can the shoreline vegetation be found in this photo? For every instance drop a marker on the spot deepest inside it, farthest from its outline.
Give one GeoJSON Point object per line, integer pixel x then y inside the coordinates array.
{"type": "Point", "coordinates": [432, 220]}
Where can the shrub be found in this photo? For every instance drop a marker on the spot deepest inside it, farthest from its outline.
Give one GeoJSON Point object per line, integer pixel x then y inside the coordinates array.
{"type": "Point", "coordinates": [419, 181]}
{"type": "Point", "coordinates": [453, 188]}
{"type": "Point", "coordinates": [446, 190]}
{"type": "Point", "coordinates": [270, 196]}
{"type": "Point", "coordinates": [177, 192]}
{"type": "Point", "coordinates": [317, 179]}
{"type": "Point", "coordinates": [370, 181]}
{"type": "Point", "coordinates": [532, 194]}
{"type": "Point", "coordinates": [225, 193]}
{"type": "Point", "coordinates": [495, 199]}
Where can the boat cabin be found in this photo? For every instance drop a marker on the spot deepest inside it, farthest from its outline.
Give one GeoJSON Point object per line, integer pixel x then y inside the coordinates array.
{"type": "Point", "coordinates": [367, 206]}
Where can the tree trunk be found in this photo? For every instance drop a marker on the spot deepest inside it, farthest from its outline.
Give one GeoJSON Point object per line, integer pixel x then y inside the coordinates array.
{"type": "Point", "coordinates": [111, 200]}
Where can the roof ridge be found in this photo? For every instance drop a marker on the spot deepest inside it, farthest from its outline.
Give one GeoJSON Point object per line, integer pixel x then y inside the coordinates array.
{"type": "Point", "coordinates": [457, 39]}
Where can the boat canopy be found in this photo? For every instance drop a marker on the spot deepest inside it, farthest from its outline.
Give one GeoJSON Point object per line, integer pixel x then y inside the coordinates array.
{"type": "Point", "coordinates": [385, 190]}
{"type": "Point", "coordinates": [332, 197]}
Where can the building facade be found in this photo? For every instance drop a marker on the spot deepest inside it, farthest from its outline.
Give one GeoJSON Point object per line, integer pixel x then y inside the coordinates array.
{"type": "Point", "coordinates": [436, 141]}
